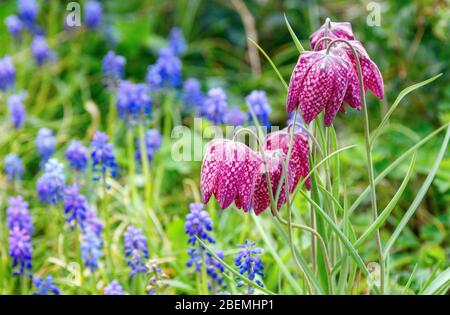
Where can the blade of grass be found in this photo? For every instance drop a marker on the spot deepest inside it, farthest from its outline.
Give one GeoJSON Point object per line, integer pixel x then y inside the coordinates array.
{"type": "Point", "coordinates": [294, 37]}
{"type": "Point", "coordinates": [408, 284]}
{"type": "Point", "coordinates": [412, 209]}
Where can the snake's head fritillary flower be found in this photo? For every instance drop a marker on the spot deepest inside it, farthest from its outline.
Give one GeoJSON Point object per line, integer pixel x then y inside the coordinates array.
{"type": "Point", "coordinates": [16, 109]}
{"type": "Point", "coordinates": [332, 30]}
{"type": "Point", "coordinates": [235, 117]}
{"type": "Point", "coordinates": [257, 100]}
{"type": "Point", "coordinates": [93, 14]}
{"type": "Point", "coordinates": [13, 167]}
{"type": "Point", "coordinates": [45, 286]}
{"type": "Point", "coordinates": [114, 288]}
{"type": "Point", "coordinates": [14, 25]}
{"type": "Point", "coordinates": [7, 74]}
{"type": "Point", "coordinates": [318, 83]}
{"type": "Point", "coordinates": [113, 69]}
{"type": "Point", "coordinates": [136, 250]}
{"type": "Point", "coordinates": [177, 42]}
{"type": "Point", "coordinates": [229, 172]}
{"type": "Point", "coordinates": [20, 249]}
{"type": "Point", "coordinates": [215, 106]}
{"type": "Point", "coordinates": [18, 214]}
{"type": "Point", "coordinates": [372, 78]}
{"type": "Point", "coordinates": [77, 156]}
{"type": "Point", "coordinates": [41, 52]}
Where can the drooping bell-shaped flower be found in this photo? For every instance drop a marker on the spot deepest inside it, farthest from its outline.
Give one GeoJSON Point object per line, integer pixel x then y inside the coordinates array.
{"type": "Point", "coordinates": [229, 172]}
{"type": "Point", "coordinates": [371, 74]}
{"type": "Point", "coordinates": [318, 83]}
{"type": "Point", "coordinates": [299, 159]}
{"type": "Point", "coordinates": [332, 30]}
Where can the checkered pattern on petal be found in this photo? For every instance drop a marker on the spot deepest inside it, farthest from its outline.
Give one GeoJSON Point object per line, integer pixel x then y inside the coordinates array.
{"type": "Point", "coordinates": [336, 30]}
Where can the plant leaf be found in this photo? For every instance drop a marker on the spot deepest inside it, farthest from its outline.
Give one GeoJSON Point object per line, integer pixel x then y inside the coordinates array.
{"type": "Point", "coordinates": [294, 37]}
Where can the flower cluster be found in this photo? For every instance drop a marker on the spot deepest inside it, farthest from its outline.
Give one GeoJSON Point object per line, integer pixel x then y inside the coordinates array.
{"type": "Point", "coordinates": [16, 109]}
{"type": "Point", "coordinates": [93, 14]}
{"type": "Point", "coordinates": [133, 102]}
{"type": "Point", "coordinates": [102, 154]}
{"type": "Point", "coordinates": [177, 43]}
{"type": "Point", "coordinates": [114, 288]}
{"type": "Point", "coordinates": [214, 269]}
{"type": "Point", "coordinates": [18, 215]}
{"type": "Point", "coordinates": [328, 76]}
{"type": "Point", "coordinates": [136, 251]}
{"type": "Point", "coordinates": [45, 286]}
{"type": "Point", "coordinates": [28, 11]}
{"type": "Point", "coordinates": [259, 103]}
{"type": "Point", "coordinates": [233, 172]}
{"type": "Point", "coordinates": [77, 156]}
{"type": "Point", "coordinates": [166, 72]}
{"type": "Point", "coordinates": [91, 249]}
{"type": "Point", "coordinates": [198, 223]}
{"type": "Point", "coordinates": [14, 25]}
{"type": "Point", "coordinates": [113, 69]}
{"type": "Point", "coordinates": [193, 96]}
{"type": "Point", "coordinates": [7, 73]}
{"type": "Point", "coordinates": [215, 105]}
{"type": "Point", "coordinates": [45, 144]}
{"type": "Point", "coordinates": [40, 50]}
{"type": "Point", "coordinates": [235, 117]}
{"type": "Point", "coordinates": [50, 186]}
{"type": "Point", "coordinates": [13, 167]}
{"type": "Point", "coordinates": [249, 263]}
{"type": "Point", "coordinates": [75, 206]}
{"type": "Point", "coordinates": [153, 140]}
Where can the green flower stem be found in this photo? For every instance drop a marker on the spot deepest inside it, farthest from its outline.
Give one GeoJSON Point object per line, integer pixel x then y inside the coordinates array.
{"type": "Point", "coordinates": [204, 276]}
{"type": "Point", "coordinates": [108, 228]}
{"type": "Point", "coordinates": [112, 113]}
{"type": "Point", "coordinates": [131, 165]}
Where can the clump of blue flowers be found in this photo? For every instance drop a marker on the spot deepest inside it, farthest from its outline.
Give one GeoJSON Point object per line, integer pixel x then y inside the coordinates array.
{"type": "Point", "coordinates": [91, 249]}
{"type": "Point", "coordinates": [93, 223]}
{"type": "Point", "coordinates": [215, 105]}
{"type": "Point", "coordinates": [13, 167]}
{"type": "Point", "coordinates": [166, 72]}
{"type": "Point", "coordinates": [214, 269]}
{"type": "Point", "coordinates": [20, 249]}
{"type": "Point", "coordinates": [249, 262]}
{"type": "Point", "coordinates": [7, 73]}
{"type": "Point", "coordinates": [114, 288]}
{"type": "Point", "coordinates": [133, 102]}
{"type": "Point", "coordinates": [193, 97]}
{"type": "Point", "coordinates": [77, 156]}
{"type": "Point", "coordinates": [75, 206]}
{"type": "Point", "coordinates": [16, 109]}
{"type": "Point", "coordinates": [14, 25]}
{"type": "Point", "coordinates": [45, 144]}
{"type": "Point", "coordinates": [18, 214]}
{"type": "Point", "coordinates": [93, 14]}
{"type": "Point", "coordinates": [136, 251]}
{"type": "Point", "coordinates": [153, 140]}
{"type": "Point", "coordinates": [45, 286]}
{"type": "Point", "coordinates": [177, 42]}
{"type": "Point", "coordinates": [50, 186]}
{"type": "Point", "coordinates": [102, 155]}
{"type": "Point", "coordinates": [198, 224]}
{"type": "Point", "coordinates": [258, 101]}
{"type": "Point", "coordinates": [235, 117]}
{"type": "Point", "coordinates": [113, 69]}
{"type": "Point", "coordinates": [28, 11]}
{"type": "Point", "coordinates": [40, 50]}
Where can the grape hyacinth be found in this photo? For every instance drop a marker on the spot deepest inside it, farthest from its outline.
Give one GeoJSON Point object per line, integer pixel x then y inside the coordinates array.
{"type": "Point", "coordinates": [18, 215]}
{"type": "Point", "coordinates": [91, 249]}
{"type": "Point", "coordinates": [177, 42]}
{"type": "Point", "coordinates": [14, 25]}
{"type": "Point", "coordinates": [41, 52]}
{"type": "Point", "coordinates": [93, 14]}
{"type": "Point", "coordinates": [235, 117]}
{"type": "Point", "coordinates": [45, 286]}
{"type": "Point", "coordinates": [113, 69]}
{"type": "Point", "coordinates": [114, 288]}
{"type": "Point", "coordinates": [215, 106]}
{"type": "Point", "coordinates": [257, 100]}
{"type": "Point", "coordinates": [193, 96]}
{"type": "Point", "coordinates": [20, 249]}
{"type": "Point", "coordinates": [45, 144]}
{"type": "Point", "coordinates": [7, 73]}
{"type": "Point", "coordinates": [249, 263]}
{"type": "Point", "coordinates": [16, 109]}
{"type": "Point", "coordinates": [13, 167]}
{"type": "Point", "coordinates": [136, 251]}
{"type": "Point", "coordinates": [50, 186]}
{"type": "Point", "coordinates": [153, 140]}
{"type": "Point", "coordinates": [77, 156]}
{"type": "Point", "coordinates": [75, 206]}
{"type": "Point", "coordinates": [155, 284]}
{"type": "Point", "coordinates": [198, 223]}
{"type": "Point", "coordinates": [133, 102]}
{"type": "Point", "coordinates": [103, 155]}
{"type": "Point", "coordinates": [214, 269]}
{"type": "Point", "coordinates": [166, 72]}
{"type": "Point", "coordinates": [93, 223]}
{"type": "Point", "coordinates": [28, 11]}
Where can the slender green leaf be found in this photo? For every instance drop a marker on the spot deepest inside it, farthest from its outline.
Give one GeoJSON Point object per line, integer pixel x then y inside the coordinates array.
{"type": "Point", "coordinates": [294, 37]}
{"type": "Point", "coordinates": [411, 277]}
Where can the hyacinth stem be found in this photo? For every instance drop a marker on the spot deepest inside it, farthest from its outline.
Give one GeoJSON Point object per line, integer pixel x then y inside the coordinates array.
{"type": "Point", "coordinates": [168, 100]}
{"type": "Point", "coordinates": [204, 276]}
{"type": "Point", "coordinates": [373, 194]}
{"type": "Point", "coordinates": [112, 113]}
{"type": "Point", "coordinates": [106, 215]}
{"type": "Point", "coordinates": [131, 164]}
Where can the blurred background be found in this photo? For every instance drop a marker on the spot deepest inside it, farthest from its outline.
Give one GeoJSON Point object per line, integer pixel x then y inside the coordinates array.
{"type": "Point", "coordinates": [411, 44]}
